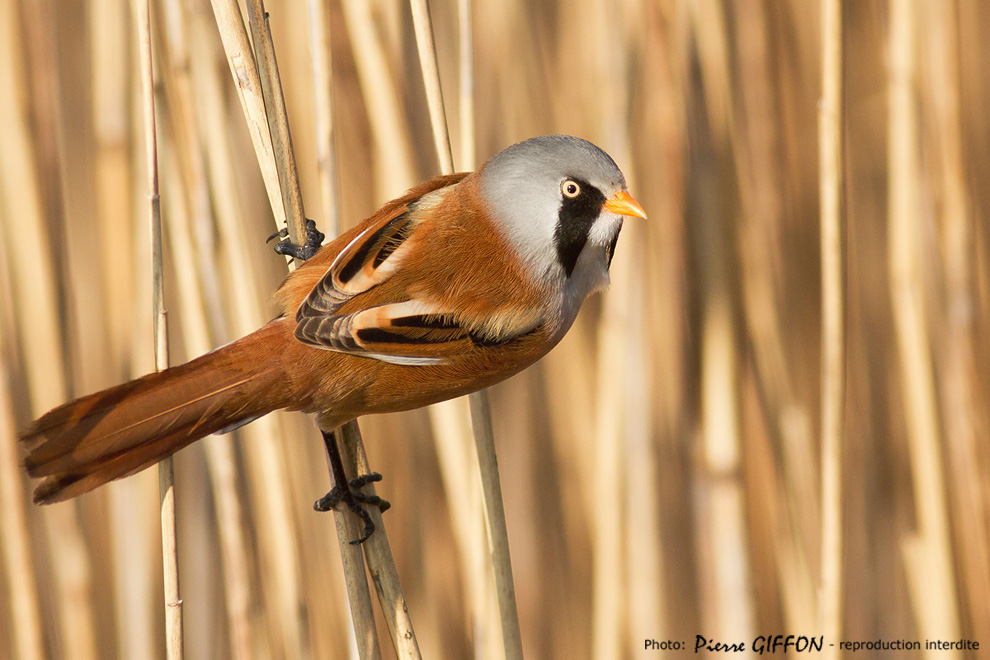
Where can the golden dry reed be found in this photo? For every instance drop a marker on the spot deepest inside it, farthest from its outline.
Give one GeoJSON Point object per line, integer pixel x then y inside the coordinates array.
{"type": "Point", "coordinates": [662, 468]}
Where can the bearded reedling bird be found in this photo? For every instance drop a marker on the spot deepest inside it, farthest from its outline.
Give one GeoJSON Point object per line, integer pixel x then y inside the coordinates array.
{"type": "Point", "coordinates": [460, 283]}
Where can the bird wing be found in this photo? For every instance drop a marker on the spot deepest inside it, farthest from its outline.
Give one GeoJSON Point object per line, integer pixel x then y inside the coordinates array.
{"type": "Point", "coordinates": [402, 292]}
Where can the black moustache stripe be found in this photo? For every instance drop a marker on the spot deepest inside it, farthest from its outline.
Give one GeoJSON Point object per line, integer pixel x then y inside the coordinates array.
{"type": "Point", "coordinates": [574, 221]}
{"type": "Point", "coordinates": [610, 250]}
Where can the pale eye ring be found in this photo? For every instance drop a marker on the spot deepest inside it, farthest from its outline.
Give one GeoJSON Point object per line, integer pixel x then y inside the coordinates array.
{"type": "Point", "coordinates": [570, 188]}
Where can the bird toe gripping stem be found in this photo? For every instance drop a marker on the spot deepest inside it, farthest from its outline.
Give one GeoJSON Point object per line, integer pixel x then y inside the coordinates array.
{"type": "Point", "coordinates": [314, 239]}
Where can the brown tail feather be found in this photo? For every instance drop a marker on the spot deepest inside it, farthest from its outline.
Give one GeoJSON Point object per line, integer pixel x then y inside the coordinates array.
{"type": "Point", "coordinates": [124, 429]}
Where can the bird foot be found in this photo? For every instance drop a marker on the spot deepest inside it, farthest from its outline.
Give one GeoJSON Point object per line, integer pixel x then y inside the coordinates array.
{"type": "Point", "coordinates": [354, 499]}
{"type": "Point", "coordinates": [314, 240]}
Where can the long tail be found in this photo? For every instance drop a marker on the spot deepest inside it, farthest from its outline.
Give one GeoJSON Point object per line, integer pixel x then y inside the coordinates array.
{"type": "Point", "coordinates": [124, 429]}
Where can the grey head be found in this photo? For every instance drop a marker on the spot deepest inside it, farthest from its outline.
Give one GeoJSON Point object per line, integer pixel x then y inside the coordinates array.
{"type": "Point", "coordinates": [550, 196]}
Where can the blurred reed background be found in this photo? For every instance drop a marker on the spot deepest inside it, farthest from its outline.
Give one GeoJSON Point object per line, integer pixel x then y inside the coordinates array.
{"type": "Point", "coordinates": [661, 467]}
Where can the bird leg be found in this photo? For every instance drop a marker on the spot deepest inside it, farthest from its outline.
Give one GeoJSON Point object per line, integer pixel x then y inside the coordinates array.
{"type": "Point", "coordinates": [314, 239]}
{"type": "Point", "coordinates": [347, 492]}
{"type": "Point", "coordinates": [343, 491]}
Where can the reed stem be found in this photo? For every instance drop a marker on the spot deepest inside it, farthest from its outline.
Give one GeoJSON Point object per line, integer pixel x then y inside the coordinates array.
{"type": "Point", "coordinates": [166, 476]}
{"type": "Point", "coordinates": [833, 330]}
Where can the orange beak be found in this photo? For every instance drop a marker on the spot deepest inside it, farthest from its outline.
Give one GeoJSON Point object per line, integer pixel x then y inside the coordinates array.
{"type": "Point", "coordinates": [624, 204]}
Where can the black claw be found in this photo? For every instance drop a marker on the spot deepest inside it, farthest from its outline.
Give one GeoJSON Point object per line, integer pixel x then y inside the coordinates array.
{"type": "Point", "coordinates": [314, 239]}
{"type": "Point", "coordinates": [328, 501]}
{"type": "Point", "coordinates": [364, 480]}
{"type": "Point", "coordinates": [373, 500]}
{"type": "Point", "coordinates": [369, 527]}
{"type": "Point", "coordinates": [354, 500]}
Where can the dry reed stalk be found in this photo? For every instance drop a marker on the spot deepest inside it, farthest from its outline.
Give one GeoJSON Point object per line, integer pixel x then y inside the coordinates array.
{"type": "Point", "coordinates": [727, 606]}
{"type": "Point", "coordinates": [35, 284]}
{"type": "Point", "coordinates": [451, 424]}
{"type": "Point", "coordinates": [926, 552]}
{"type": "Point", "coordinates": [498, 535]}
{"type": "Point", "coordinates": [431, 79]}
{"type": "Point", "coordinates": [187, 199]}
{"type": "Point", "coordinates": [173, 603]}
{"type": "Point", "coordinates": [278, 121]}
{"type": "Point", "coordinates": [110, 70]}
{"type": "Point", "coordinates": [755, 151]}
{"type": "Point", "coordinates": [48, 146]}
{"type": "Point", "coordinates": [481, 422]}
{"type": "Point", "coordinates": [247, 82]}
{"type": "Point", "coordinates": [533, 91]}
{"type": "Point", "coordinates": [15, 542]}
{"type": "Point", "coordinates": [326, 155]}
{"type": "Point", "coordinates": [391, 151]}
{"type": "Point", "coordinates": [465, 86]}
{"type": "Point", "coordinates": [166, 477]}
{"type": "Point", "coordinates": [378, 555]}
{"type": "Point", "coordinates": [608, 513]}
{"type": "Point", "coordinates": [355, 579]}
{"type": "Point", "coordinates": [833, 321]}
{"type": "Point", "coordinates": [133, 511]}
{"type": "Point", "coordinates": [37, 315]}
{"type": "Point", "coordinates": [134, 528]}
{"type": "Point", "coordinates": [644, 583]}
{"type": "Point", "coordinates": [665, 53]}
{"type": "Point", "coordinates": [959, 382]}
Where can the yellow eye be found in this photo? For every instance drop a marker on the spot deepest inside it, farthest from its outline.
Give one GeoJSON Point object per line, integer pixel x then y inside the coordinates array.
{"type": "Point", "coordinates": [570, 188]}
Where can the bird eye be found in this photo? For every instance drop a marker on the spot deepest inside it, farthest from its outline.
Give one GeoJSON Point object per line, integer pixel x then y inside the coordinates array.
{"type": "Point", "coordinates": [570, 188]}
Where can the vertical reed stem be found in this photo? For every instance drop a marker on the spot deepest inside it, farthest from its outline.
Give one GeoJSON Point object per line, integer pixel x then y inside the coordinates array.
{"type": "Point", "coordinates": [166, 478]}
{"type": "Point", "coordinates": [378, 554]}
{"type": "Point", "coordinates": [833, 332]}
{"type": "Point", "coordinates": [358, 595]}
{"type": "Point", "coordinates": [498, 534]}
{"type": "Point", "coordinates": [278, 120]}
{"type": "Point", "coordinates": [326, 157]}
{"type": "Point", "coordinates": [926, 549]}
{"type": "Point", "coordinates": [431, 79]}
